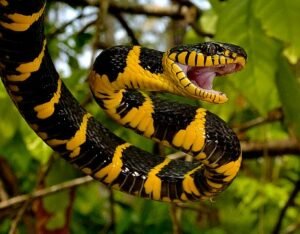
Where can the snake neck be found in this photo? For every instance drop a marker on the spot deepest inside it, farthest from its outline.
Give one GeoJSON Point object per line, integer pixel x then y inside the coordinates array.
{"type": "Point", "coordinates": [123, 68]}
{"type": "Point", "coordinates": [120, 76]}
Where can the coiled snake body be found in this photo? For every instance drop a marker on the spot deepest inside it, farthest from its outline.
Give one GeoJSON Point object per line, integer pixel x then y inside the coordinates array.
{"type": "Point", "coordinates": [118, 80]}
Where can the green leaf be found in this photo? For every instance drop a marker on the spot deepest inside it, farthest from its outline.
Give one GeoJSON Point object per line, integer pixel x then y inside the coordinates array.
{"type": "Point", "coordinates": [238, 25]}
{"type": "Point", "coordinates": [289, 91]}
{"type": "Point", "coordinates": [57, 220]}
{"type": "Point", "coordinates": [9, 120]}
{"type": "Point", "coordinates": [280, 19]}
{"type": "Point", "coordinates": [39, 150]}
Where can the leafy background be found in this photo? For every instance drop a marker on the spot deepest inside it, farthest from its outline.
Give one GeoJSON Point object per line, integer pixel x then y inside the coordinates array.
{"type": "Point", "coordinates": [263, 109]}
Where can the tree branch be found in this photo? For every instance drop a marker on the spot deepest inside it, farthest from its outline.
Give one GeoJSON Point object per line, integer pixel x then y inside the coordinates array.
{"type": "Point", "coordinates": [173, 11]}
{"type": "Point", "coordinates": [44, 192]}
{"type": "Point", "coordinates": [273, 116]}
{"type": "Point", "coordinates": [252, 150]}
{"type": "Point", "coordinates": [289, 203]}
{"type": "Point", "coordinates": [129, 31]}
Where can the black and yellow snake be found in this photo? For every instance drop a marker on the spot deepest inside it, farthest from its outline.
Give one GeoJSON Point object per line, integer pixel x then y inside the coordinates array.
{"type": "Point", "coordinates": [118, 80]}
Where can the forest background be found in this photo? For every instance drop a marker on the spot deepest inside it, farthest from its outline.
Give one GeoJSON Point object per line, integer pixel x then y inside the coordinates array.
{"type": "Point", "coordinates": [39, 191]}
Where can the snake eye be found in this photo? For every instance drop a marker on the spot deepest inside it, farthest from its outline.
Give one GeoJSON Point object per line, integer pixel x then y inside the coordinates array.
{"type": "Point", "coordinates": [211, 49]}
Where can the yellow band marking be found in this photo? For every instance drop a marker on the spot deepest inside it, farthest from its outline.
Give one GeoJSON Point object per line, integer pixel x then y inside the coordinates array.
{"type": "Point", "coordinates": [20, 77]}
{"type": "Point", "coordinates": [216, 59]}
{"type": "Point", "coordinates": [26, 69]}
{"type": "Point", "coordinates": [140, 118]}
{"type": "Point", "coordinates": [193, 137]}
{"type": "Point", "coordinates": [222, 60]}
{"type": "Point", "coordinates": [181, 75]}
{"type": "Point", "coordinates": [178, 138]}
{"type": "Point", "coordinates": [112, 171]}
{"type": "Point", "coordinates": [200, 156]}
{"type": "Point", "coordinates": [172, 56]}
{"type": "Point", "coordinates": [153, 182]}
{"type": "Point", "coordinates": [136, 76]}
{"type": "Point", "coordinates": [21, 22]}
{"type": "Point", "coordinates": [185, 82]}
{"type": "Point", "coordinates": [56, 142]}
{"type": "Point", "coordinates": [76, 141]}
{"type": "Point", "coordinates": [35, 64]}
{"type": "Point", "coordinates": [188, 183]}
{"type": "Point", "coordinates": [192, 59]}
{"type": "Point", "coordinates": [214, 185]}
{"type": "Point", "coordinates": [4, 3]}
{"type": "Point", "coordinates": [230, 169]}
{"type": "Point", "coordinates": [240, 60]}
{"type": "Point", "coordinates": [47, 109]}
{"type": "Point", "coordinates": [229, 60]}
{"type": "Point", "coordinates": [175, 68]}
{"type": "Point", "coordinates": [181, 57]}
{"type": "Point", "coordinates": [200, 60]}
{"type": "Point", "coordinates": [79, 138]}
{"type": "Point", "coordinates": [209, 61]}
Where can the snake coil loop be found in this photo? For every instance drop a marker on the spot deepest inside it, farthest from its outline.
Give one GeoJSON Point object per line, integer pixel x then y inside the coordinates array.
{"type": "Point", "coordinates": [119, 80]}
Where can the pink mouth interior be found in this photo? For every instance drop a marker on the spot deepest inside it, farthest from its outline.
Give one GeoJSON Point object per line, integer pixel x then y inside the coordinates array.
{"type": "Point", "coordinates": [203, 77]}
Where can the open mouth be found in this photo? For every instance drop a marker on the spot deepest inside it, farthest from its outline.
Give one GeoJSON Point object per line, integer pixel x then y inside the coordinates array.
{"type": "Point", "coordinates": [203, 77]}
{"type": "Point", "coordinates": [197, 65]}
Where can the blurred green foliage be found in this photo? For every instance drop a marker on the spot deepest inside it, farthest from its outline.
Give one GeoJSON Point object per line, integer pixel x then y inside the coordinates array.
{"type": "Point", "coordinates": [269, 32]}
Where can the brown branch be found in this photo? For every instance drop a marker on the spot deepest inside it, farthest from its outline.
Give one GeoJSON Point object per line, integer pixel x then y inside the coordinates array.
{"type": "Point", "coordinates": [21, 212]}
{"type": "Point", "coordinates": [129, 31]}
{"type": "Point", "coordinates": [252, 150]}
{"type": "Point", "coordinates": [290, 202]}
{"type": "Point", "coordinates": [9, 180]}
{"type": "Point", "coordinates": [45, 192]}
{"type": "Point", "coordinates": [199, 31]}
{"type": "Point", "coordinates": [62, 28]}
{"type": "Point", "coordinates": [173, 11]}
{"type": "Point", "coordinates": [184, 10]}
{"type": "Point", "coordinates": [273, 116]}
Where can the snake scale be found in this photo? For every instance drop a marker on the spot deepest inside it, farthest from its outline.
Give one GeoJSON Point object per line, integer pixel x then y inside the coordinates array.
{"type": "Point", "coordinates": [123, 81]}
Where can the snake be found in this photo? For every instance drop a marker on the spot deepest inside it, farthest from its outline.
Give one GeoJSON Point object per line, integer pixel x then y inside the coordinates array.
{"type": "Point", "coordinates": [124, 81]}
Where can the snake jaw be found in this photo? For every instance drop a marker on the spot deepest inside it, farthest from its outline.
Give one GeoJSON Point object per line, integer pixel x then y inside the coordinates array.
{"type": "Point", "coordinates": [201, 80]}
{"type": "Point", "coordinates": [196, 66]}
{"type": "Point", "coordinates": [203, 77]}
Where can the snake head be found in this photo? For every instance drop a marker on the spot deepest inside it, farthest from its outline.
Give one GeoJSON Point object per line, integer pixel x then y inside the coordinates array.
{"type": "Point", "coordinates": [194, 67]}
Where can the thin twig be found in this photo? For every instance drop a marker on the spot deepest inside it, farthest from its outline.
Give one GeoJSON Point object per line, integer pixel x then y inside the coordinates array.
{"type": "Point", "coordinates": [62, 28]}
{"type": "Point", "coordinates": [43, 173]}
{"type": "Point", "coordinates": [17, 219]}
{"type": "Point", "coordinates": [129, 31]}
{"type": "Point", "coordinates": [273, 116]}
{"type": "Point", "coordinates": [45, 192]}
{"type": "Point", "coordinates": [198, 30]}
{"type": "Point", "coordinates": [253, 150]}
{"type": "Point", "coordinates": [289, 203]}
{"type": "Point", "coordinates": [172, 11]}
